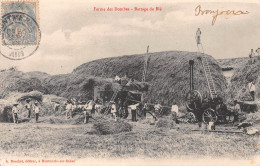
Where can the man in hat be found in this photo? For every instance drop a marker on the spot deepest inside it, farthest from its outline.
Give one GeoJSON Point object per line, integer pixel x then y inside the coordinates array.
{"type": "Point", "coordinates": [15, 112]}
{"type": "Point", "coordinates": [37, 111]}
{"type": "Point", "coordinates": [237, 110]}
{"type": "Point", "coordinates": [28, 107]}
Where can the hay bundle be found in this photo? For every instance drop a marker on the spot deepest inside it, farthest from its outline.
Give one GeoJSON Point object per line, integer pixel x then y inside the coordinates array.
{"type": "Point", "coordinates": [35, 95]}
{"type": "Point", "coordinates": [105, 127]}
{"type": "Point", "coordinates": [165, 123]}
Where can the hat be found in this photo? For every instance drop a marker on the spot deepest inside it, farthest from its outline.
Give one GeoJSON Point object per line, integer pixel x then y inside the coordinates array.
{"type": "Point", "coordinates": [36, 102]}
{"type": "Point", "coordinates": [235, 101]}
{"type": "Point", "coordinates": [15, 104]}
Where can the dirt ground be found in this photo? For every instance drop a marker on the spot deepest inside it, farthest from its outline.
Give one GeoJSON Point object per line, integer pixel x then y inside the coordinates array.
{"type": "Point", "coordinates": [145, 141]}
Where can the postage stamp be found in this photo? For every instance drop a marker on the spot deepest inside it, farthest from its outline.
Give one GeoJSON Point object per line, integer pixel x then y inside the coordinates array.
{"type": "Point", "coordinates": [20, 28]}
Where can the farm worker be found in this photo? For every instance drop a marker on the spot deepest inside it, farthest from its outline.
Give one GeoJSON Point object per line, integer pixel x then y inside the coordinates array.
{"type": "Point", "coordinates": [198, 33]}
{"type": "Point", "coordinates": [28, 108]}
{"type": "Point", "coordinates": [158, 108]}
{"type": "Point", "coordinates": [113, 110]}
{"type": "Point", "coordinates": [175, 111]}
{"type": "Point", "coordinates": [251, 56]}
{"type": "Point", "coordinates": [133, 111]}
{"type": "Point", "coordinates": [68, 109]}
{"type": "Point", "coordinates": [15, 112]}
{"type": "Point", "coordinates": [237, 110]}
{"type": "Point", "coordinates": [252, 90]}
{"type": "Point", "coordinates": [37, 111]}
{"type": "Point", "coordinates": [87, 111]}
{"type": "Point", "coordinates": [145, 109]}
{"type": "Point", "coordinates": [118, 79]}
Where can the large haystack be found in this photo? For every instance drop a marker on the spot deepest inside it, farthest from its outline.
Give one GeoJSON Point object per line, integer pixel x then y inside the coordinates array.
{"type": "Point", "coordinates": [168, 73]}
{"type": "Point", "coordinates": [238, 88]}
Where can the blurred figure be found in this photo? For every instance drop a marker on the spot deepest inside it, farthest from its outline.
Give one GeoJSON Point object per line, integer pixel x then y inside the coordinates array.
{"type": "Point", "coordinates": [237, 110]}
{"type": "Point", "coordinates": [113, 111]}
{"type": "Point", "coordinates": [28, 107]}
{"type": "Point", "coordinates": [133, 111]}
{"type": "Point", "coordinates": [251, 87]}
{"type": "Point", "coordinates": [68, 109]}
{"type": "Point", "coordinates": [175, 111]}
{"type": "Point", "coordinates": [15, 112]}
{"type": "Point", "coordinates": [145, 109]}
{"type": "Point", "coordinates": [158, 108]}
{"type": "Point", "coordinates": [251, 56]}
{"type": "Point", "coordinates": [87, 110]}
{"type": "Point", "coordinates": [37, 111]}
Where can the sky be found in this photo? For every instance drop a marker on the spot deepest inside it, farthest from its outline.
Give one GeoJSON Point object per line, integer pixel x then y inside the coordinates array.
{"type": "Point", "coordinates": [72, 33]}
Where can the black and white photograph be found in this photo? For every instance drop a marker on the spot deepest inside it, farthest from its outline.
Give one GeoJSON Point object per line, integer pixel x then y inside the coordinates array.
{"type": "Point", "coordinates": [129, 83]}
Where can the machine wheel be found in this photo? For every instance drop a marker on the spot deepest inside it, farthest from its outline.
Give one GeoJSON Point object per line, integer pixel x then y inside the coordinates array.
{"type": "Point", "coordinates": [190, 117]}
{"type": "Point", "coordinates": [193, 100]}
{"type": "Point", "coordinates": [209, 115]}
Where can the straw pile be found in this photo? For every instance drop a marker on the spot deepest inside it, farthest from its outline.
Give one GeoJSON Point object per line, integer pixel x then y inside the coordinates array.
{"type": "Point", "coordinates": [104, 127]}
{"type": "Point", "coordinates": [165, 123]}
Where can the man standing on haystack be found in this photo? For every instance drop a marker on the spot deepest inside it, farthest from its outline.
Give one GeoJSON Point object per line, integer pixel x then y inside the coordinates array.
{"type": "Point", "coordinates": [28, 107]}
{"type": "Point", "coordinates": [37, 111]}
{"type": "Point", "coordinates": [251, 87]}
{"type": "Point", "coordinates": [15, 113]}
{"type": "Point", "coordinates": [251, 56]}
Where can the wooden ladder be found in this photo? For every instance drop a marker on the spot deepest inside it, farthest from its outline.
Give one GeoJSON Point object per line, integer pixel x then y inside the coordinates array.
{"type": "Point", "coordinates": [111, 100]}
{"type": "Point", "coordinates": [210, 81]}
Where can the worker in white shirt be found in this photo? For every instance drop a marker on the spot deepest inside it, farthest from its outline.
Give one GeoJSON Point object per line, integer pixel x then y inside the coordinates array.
{"type": "Point", "coordinates": [113, 110]}
{"type": "Point", "coordinates": [133, 111]}
{"type": "Point", "coordinates": [251, 87]}
{"type": "Point", "coordinates": [37, 111]}
{"type": "Point", "coordinates": [15, 112]}
{"type": "Point", "coordinates": [175, 111]}
{"type": "Point", "coordinates": [68, 109]}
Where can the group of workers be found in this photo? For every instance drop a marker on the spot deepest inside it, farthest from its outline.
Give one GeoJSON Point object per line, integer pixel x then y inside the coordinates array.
{"type": "Point", "coordinates": [29, 107]}
{"type": "Point", "coordinates": [92, 106]}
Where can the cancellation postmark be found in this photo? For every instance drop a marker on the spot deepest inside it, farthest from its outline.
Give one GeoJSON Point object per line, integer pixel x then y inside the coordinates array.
{"type": "Point", "coordinates": [20, 28]}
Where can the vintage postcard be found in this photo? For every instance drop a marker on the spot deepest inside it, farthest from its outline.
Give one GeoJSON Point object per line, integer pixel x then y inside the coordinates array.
{"type": "Point", "coordinates": [129, 83]}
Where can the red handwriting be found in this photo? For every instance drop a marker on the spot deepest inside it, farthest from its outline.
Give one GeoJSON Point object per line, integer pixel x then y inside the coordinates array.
{"type": "Point", "coordinates": [216, 13]}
